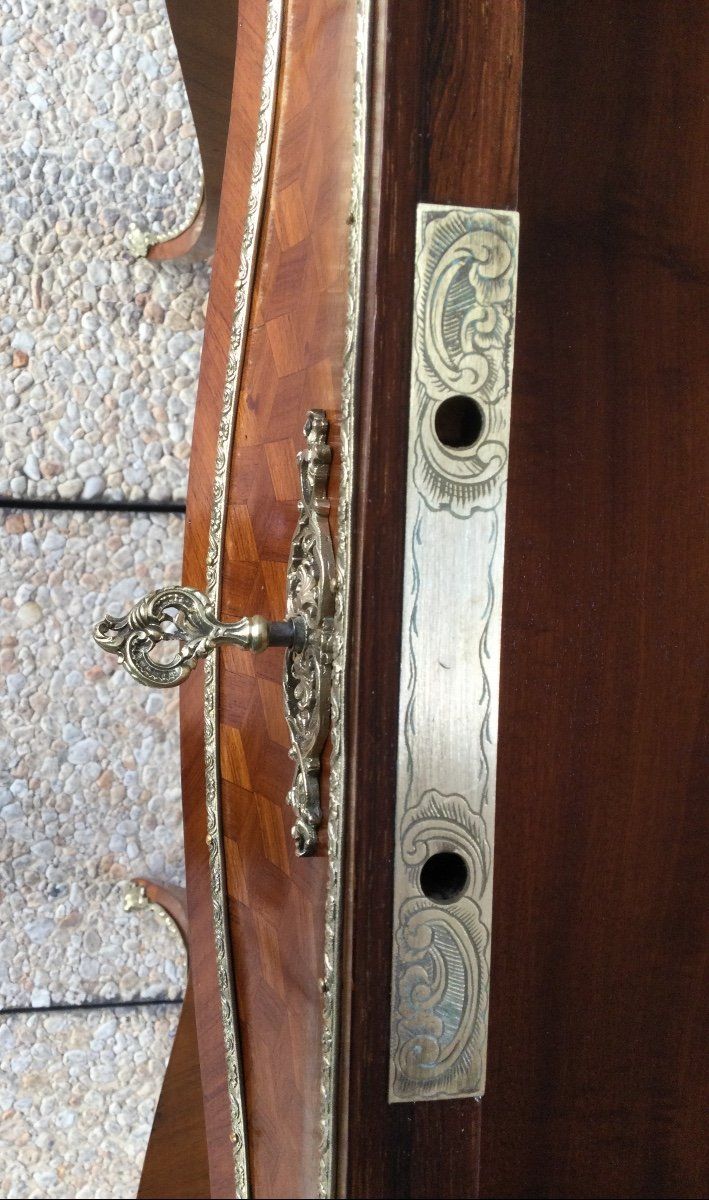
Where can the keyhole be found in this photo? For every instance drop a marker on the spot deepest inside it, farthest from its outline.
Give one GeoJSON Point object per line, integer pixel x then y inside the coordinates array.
{"type": "Point", "coordinates": [444, 877]}
{"type": "Point", "coordinates": [459, 422]}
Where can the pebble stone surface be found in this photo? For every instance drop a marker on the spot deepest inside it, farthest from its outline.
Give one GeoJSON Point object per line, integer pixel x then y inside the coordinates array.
{"type": "Point", "coordinates": [99, 357]}
{"type": "Point", "coordinates": [99, 351]}
{"type": "Point", "coordinates": [89, 761]}
{"type": "Point", "coordinates": [78, 1095]}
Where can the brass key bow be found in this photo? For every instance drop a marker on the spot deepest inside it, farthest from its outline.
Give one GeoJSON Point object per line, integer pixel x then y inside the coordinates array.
{"type": "Point", "coordinates": [187, 618]}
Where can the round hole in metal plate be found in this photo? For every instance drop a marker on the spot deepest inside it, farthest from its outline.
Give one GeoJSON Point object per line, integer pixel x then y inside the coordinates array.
{"type": "Point", "coordinates": [459, 422]}
{"type": "Point", "coordinates": [444, 877]}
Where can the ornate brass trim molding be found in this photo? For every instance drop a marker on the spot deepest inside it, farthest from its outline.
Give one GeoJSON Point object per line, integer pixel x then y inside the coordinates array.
{"type": "Point", "coordinates": [465, 281]}
{"type": "Point", "coordinates": [139, 242]}
{"type": "Point", "coordinates": [242, 307]}
{"type": "Point", "coordinates": [136, 899]}
{"type": "Point", "coordinates": [336, 822]}
{"type": "Point", "coordinates": [310, 599]}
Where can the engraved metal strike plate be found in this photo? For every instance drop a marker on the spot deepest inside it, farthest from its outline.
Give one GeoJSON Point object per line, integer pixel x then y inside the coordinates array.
{"type": "Point", "coordinates": [184, 617]}
{"type": "Point", "coordinates": [465, 281]}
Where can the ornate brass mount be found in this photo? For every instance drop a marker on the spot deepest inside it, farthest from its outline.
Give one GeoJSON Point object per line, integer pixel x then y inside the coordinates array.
{"type": "Point", "coordinates": [185, 616]}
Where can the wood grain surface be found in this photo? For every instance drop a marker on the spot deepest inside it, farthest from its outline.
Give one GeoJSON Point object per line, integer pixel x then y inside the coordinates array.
{"type": "Point", "coordinates": [175, 1162]}
{"type": "Point", "coordinates": [597, 1071]}
{"type": "Point", "coordinates": [205, 37]}
{"type": "Point", "coordinates": [594, 1074]}
{"type": "Point", "coordinates": [446, 108]}
{"type": "Point", "coordinates": [235, 190]}
{"type": "Point", "coordinates": [293, 361]}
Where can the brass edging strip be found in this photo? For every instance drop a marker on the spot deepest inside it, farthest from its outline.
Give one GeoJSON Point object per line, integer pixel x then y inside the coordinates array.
{"type": "Point", "coordinates": [336, 823]}
{"type": "Point", "coordinates": [243, 296]}
{"type": "Point", "coordinates": [459, 421]}
{"type": "Point", "coordinates": [139, 242]}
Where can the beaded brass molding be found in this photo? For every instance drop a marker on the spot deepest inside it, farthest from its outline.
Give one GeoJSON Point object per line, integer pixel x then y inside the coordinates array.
{"type": "Point", "coordinates": [465, 281]}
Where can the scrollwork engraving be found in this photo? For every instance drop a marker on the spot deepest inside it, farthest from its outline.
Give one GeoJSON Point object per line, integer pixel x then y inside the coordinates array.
{"type": "Point", "coordinates": [465, 293]}
{"type": "Point", "coordinates": [442, 997]}
{"type": "Point", "coordinates": [455, 505]}
{"type": "Point", "coordinates": [441, 970]}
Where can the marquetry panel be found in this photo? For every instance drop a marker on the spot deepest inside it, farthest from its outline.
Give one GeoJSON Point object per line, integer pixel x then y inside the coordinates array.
{"type": "Point", "coordinates": [235, 192]}
{"type": "Point", "coordinates": [293, 362]}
